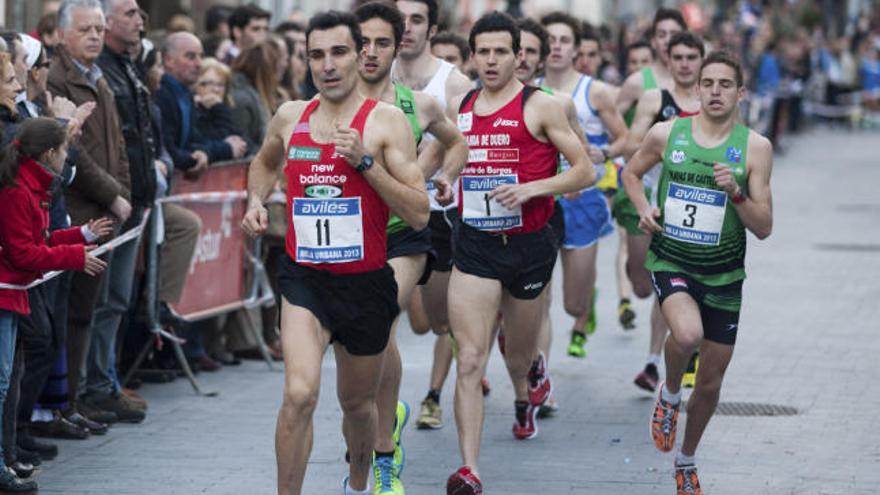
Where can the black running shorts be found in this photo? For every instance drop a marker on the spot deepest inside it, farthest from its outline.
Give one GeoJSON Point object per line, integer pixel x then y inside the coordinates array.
{"type": "Point", "coordinates": [441, 224]}
{"type": "Point", "coordinates": [357, 309]}
{"type": "Point", "coordinates": [719, 306]}
{"type": "Point", "coordinates": [408, 242]}
{"type": "Point", "coordinates": [523, 263]}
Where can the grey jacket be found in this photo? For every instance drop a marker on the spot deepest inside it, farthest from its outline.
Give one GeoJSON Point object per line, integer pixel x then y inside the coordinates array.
{"type": "Point", "coordinates": [248, 111]}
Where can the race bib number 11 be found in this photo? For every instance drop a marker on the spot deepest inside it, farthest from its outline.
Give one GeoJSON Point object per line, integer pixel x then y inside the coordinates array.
{"type": "Point", "coordinates": [693, 214]}
{"type": "Point", "coordinates": [328, 230]}
{"type": "Point", "coordinates": [481, 212]}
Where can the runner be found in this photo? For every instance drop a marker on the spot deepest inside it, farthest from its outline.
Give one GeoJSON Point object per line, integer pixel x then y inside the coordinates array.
{"type": "Point", "coordinates": [714, 184]}
{"type": "Point", "coordinates": [452, 48]}
{"type": "Point", "coordinates": [416, 68]}
{"type": "Point", "coordinates": [685, 55]}
{"type": "Point", "coordinates": [505, 249]}
{"type": "Point", "coordinates": [408, 251]}
{"type": "Point", "coordinates": [535, 48]}
{"type": "Point", "coordinates": [587, 217]}
{"type": "Point", "coordinates": [337, 287]}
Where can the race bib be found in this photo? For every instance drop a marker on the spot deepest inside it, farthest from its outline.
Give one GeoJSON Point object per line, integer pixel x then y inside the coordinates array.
{"type": "Point", "coordinates": [693, 214]}
{"type": "Point", "coordinates": [328, 230]}
{"type": "Point", "coordinates": [465, 121]}
{"type": "Point", "coordinates": [481, 212]}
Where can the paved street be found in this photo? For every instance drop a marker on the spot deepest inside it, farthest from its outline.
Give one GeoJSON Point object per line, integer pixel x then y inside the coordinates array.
{"type": "Point", "coordinates": [808, 339]}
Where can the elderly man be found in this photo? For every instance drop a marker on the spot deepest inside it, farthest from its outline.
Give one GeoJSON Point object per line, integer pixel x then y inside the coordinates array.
{"type": "Point", "coordinates": [192, 152]}
{"type": "Point", "coordinates": [101, 185]}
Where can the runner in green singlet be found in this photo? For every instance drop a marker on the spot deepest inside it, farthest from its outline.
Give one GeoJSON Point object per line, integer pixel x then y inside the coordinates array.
{"type": "Point", "coordinates": [714, 185]}
{"type": "Point", "coordinates": [408, 250]}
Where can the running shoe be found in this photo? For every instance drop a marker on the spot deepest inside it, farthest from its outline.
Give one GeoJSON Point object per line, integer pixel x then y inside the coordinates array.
{"type": "Point", "coordinates": [663, 424]}
{"type": "Point", "coordinates": [549, 409]}
{"type": "Point", "coordinates": [386, 477]}
{"type": "Point", "coordinates": [400, 420]}
{"type": "Point", "coordinates": [484, 384]}
{"type": "Point", "coordinates": [464, 482]}
{"type": "Point", "coordinates": [626, 315]}
{"type": "Point", "coordinates": [648, 378]}
{"type": "Point", "coordinates": [686, 481]}
{"type": "Point", "coordinates": [430, 415]}
{"type": "Point", "coordinates": [525, 424]}
{"type": "Point", "coordinates": [689, 378]}
{"type": "Point", "coordinates": [576, 346]}
{"type": "Point", "coordinates": [539, 382]}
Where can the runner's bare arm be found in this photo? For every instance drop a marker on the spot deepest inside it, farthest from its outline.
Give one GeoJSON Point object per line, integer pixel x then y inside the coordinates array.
{"type": "Point", "coordinates": [457, 85]}
{"type": "Point", "coordinates": [630, 92]}
{"type": "Point", "coordinates": [396, 176]}
{"type": "Point", "coordinates": [756, 212]}
{"type": "Point", "coordinates": [452, 141]}
{"type": "Point", "coordinates": [647, 108]}
{"type": "Point", "coordinates": [545, 117]}
{"type": "Point", "coordinates": [612, 120]}
{"type": "Point", "coordinates": [571, 114]}
{"type": "Point", "coordinates": [263, 170]}
{"type": "Point", "coordinates": [650, 152]}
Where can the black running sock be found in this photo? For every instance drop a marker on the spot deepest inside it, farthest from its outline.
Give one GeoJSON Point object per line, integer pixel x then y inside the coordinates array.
{"type": "Point", "coordinates": [624, 300]}
{"type": "Point", "coordinates": [384, 454]}
{"type": "Point", "coordinates": [434, 395]}
{"type": "Point", "coordinates": [578, 332]}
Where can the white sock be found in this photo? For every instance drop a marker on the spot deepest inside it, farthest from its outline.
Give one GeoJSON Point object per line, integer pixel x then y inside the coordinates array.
{"type": "Point", "coordinates": [669, 396]}
{"type": "Point", "coordinates": [351, 491]}
{"type": "Point", "coordinates": [654, 359]}
{"type": "Point", "coordinates": [684, 460]}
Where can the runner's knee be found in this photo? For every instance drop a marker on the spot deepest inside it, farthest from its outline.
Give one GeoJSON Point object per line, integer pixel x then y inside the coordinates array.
{"type": "Point", "coordinates": [357, 406]}
{"type": "Point", "coordinates": [300, 397]}
{"type": "Point", "coordinates": [688, 339]}
{"type": "Point", "coordinates": [469, 360]}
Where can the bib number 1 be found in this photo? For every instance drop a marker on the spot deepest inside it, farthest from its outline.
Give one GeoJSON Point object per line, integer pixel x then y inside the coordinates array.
{"type": "Point", "coordinates": [482, 212]}
{"type": "Point", "coordinates": [693, 214]}
{"type": "Point", "coordinates": [328, 230]}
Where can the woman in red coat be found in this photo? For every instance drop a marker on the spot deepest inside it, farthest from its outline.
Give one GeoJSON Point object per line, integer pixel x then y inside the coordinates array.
{"type": "Point", "coordinates": [28, 167]}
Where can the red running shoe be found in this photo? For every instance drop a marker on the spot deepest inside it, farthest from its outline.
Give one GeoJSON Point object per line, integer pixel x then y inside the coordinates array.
{"type": "Point", "coordinates": [464, 482]}
{"type": "Point", "coordinates": [502, 342]}
{"type": "Point", "coordinates": [539, 382]}
{"type": "Point", "coordinates": [686, 481]}
{"type": "Point", "coordinates": [525, 427]}
{"type": "Point", "coordinates": [484, 384]}
{"type": "Point", "coordinates": [663, 424]}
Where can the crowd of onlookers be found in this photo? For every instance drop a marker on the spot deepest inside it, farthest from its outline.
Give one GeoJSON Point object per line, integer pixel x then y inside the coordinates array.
{"type": "Point", "coordinates": [137, 112]}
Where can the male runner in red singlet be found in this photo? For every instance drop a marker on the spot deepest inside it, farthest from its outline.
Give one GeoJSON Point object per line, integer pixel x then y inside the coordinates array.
{"type": "Point", "coordinates": [349, 161]}
{"type": "Point", "coordinates": [504, 249]}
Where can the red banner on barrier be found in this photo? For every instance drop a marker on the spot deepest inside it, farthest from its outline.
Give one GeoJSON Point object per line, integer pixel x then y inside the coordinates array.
{"type": "Point", "coordinates": [217, 280]}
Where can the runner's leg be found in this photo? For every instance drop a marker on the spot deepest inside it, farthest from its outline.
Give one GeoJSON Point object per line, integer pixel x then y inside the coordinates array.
{"type": "Point", "coordinates": [474, 304]}
{"type": "Point", "coordinates": [304, 343]}
{"type": "Point", "coordinates": [624, 285]}
{"type": "Point", "coordinates": [418, 318]}
{"type": "Point", "coordinates": [686, 334]}
{"type": "Point", "coordinates": [522, 317]}
{"type": "Point", "coordinates": [578, 283]}
{"type": "Point", "coordinates": [357, 383]}
{"type": "Point", "coordinates": [637, 251]}
{"type": "Point", "coordinates": [714, 358]}
{"type": "Point", "coordinates": [407, 271]}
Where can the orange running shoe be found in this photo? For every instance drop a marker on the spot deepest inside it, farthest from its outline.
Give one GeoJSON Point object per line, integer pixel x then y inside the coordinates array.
{"type": "Point", "coordinates": [686, 481]}
{"type": "Point", "coordinates": [663, 424]}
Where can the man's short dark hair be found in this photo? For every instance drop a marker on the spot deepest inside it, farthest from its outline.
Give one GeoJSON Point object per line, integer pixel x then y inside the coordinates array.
{"type": "Point", "coordinates": [532, 26]}
{"type": "Point", "coordinates": [10, 37]}
{"type": "Point", "coordinates": [664, 14]}
{"type": "Point", "coordinates": [491, 23]}
{"type": "Point", "coordinates": [588, 32]}
{"type": "Point", "coordinates": [289, 26]}
{"type": "Point", "coordinates": [243, 15]}
{"type": "Point", "coordinates": [323, 21]}
{"type": "Point", "coordinates": [726, 58]}
{"type": "Point", "coordinates": [687, 39]}
{"type": "Point", "coordinates": [215, 16]}
{"type": "Point", "coordinates": [640, 44]}
{"type": "Point", "coordinates": [559, 17]}
{"type": "Point", "coordinates": [450, 38]}
{"type": "Point", "coordinates": [386, 11]}
{"type": "Point", "coordinates": [433, 11]}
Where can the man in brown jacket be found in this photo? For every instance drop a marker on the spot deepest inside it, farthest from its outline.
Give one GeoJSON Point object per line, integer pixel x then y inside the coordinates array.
{"type": "Point", "coordinates": [101, 184]}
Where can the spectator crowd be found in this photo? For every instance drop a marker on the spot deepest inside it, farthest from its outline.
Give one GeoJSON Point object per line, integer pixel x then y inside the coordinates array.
{"type": "Point", "coordinates": [100, 114]}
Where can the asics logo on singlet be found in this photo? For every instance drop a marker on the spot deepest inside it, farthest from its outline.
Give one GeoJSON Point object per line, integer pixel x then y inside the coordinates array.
{"type": "Point", "coordinates": [505, 123]}
{"type": "Point", "coordinates": [677, 156]}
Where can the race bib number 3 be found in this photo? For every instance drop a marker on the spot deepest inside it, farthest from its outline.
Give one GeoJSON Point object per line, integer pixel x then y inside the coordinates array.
{"type": "Point", "coordinates": [693, 214]}
{"type": "Point", "coordinates": [480, 211]}
{"type": "Point", "coordinates": [328, 230]}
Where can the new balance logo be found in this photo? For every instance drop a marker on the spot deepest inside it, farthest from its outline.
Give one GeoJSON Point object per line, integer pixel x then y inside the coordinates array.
{"type": "Point", "coordinates": [505, 123]}
{"type": "Point", "coordinates": [678, 282]}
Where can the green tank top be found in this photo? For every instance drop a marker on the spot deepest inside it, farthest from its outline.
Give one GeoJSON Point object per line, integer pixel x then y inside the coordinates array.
{"type": "Point", "coordinates": [648, 82]}
{"type": "Point", "coordinates": [405, 100]}
{"type": "Point", "coordinates": [702, 233]}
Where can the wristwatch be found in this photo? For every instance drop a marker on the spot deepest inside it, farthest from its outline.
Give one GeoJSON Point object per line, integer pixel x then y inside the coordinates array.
{"type": "Point", "coordinates": [739, 197]}
{"type": "Point", "coordinates": [365, 164]}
